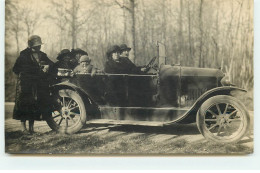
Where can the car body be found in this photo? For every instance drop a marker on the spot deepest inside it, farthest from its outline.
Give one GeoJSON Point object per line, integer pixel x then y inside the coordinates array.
{"type": "Point", "coordinates": [169, 94]}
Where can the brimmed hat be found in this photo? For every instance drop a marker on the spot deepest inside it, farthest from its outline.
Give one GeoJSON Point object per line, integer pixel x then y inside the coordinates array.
{"type": "Point", "coordinates": [62, 53]}
{"type": "Point", "coordinates": [114, 48]}
{"type": "Point", "coordinates": [124, 47]}
{"type": "Point", "coordinates": [78, 50]}
{"type": "Point", "coordinates": [84, 58]}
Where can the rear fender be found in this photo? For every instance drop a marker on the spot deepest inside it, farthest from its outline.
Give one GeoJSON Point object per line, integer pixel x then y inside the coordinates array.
{"type": "Point", "coordinates": [68, 85]}
{"type": "Point", "coordinates": [190, 115]}
{"type": "Point", "coordinates": [91, 106]}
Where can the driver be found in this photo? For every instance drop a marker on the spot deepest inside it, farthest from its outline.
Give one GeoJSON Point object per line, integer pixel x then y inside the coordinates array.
{"type": "Point", "coordinates": [119, 63]}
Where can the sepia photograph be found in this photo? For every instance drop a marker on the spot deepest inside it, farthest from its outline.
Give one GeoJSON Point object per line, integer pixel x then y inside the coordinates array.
{"type": "Point", "coordinates": [129, 77]}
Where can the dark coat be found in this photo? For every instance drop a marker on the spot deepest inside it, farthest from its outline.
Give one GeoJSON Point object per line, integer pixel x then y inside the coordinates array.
{"type": "Point", "coordinates": [63, 64]}
{"type": "Point", "coordinates": [124, 66]}
{"type": "Point", "coordinates": [60, 64]}
{"type": "Point", "coordinates": [32, 86]}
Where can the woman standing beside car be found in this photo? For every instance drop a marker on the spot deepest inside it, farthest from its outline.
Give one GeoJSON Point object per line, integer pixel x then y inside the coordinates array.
{"type": "Point", "coordinates": [32, 69]}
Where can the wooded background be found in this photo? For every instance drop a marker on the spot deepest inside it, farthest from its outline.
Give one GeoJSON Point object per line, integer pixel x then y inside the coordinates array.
{"type": "Point", "coordinates": [196, 33]}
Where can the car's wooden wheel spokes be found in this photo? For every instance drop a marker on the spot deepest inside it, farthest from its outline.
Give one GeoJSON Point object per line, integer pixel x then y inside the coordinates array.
{"type": "Point", "coordinates": [219, 111]}
{"type": "Point", "coordinates": [60, 121]}
{"type": "Point", "coordinates": [221, 120]}
{"type": "Point", "coordinates": [69, 112]}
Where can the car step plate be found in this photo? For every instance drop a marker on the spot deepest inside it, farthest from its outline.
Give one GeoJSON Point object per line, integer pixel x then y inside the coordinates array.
{"type": "Point", "coordinates": [125, 122]}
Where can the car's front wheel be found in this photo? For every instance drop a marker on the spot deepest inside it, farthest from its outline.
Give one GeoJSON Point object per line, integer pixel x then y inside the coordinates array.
{"type": "Point", "coordinates": [223, 119]}
{"type": "Point", "coordinates": [68, 112]}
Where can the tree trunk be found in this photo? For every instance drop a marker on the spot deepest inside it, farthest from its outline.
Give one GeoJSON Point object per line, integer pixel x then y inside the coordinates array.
{"type": "Point", "coordinates": [17, 43]}
{"type": "Point", "coordinates": [216, 38]}
{"type": "Point", "coordinates": [179, 60]}
{"type": "Point", "coordinates": [164, 23]}
{"type": "Point", "coordinates": [132, 32]}
{"type": "Point", "coordinates": [73, 25]}
{"type": "Point", "coordinates": [125, 23]}
{"type": "Point", "coordinates": [201, 34]}
{"type": "Point", "coordinates": [190, 42]}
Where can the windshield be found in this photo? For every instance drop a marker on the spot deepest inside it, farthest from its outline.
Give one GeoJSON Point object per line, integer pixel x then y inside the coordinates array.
{"type": "Point", "coordinates": [161, 54]}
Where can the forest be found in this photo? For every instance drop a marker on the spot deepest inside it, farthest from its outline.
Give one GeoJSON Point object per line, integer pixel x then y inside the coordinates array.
{"type": "Point", "coordinates": [196, 33]}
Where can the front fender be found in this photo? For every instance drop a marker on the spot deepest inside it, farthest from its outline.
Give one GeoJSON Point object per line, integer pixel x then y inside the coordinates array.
{"type": "Point", "coordinates": [224, 90]}
{"type": "Point", "coordinates": [190, 115]}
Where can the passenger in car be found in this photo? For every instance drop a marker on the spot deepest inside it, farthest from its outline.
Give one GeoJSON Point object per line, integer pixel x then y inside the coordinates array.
{"type": "Point", "coordinates": [63, 62]}
{"type": "Point", "coordinates": [117, 64]}
{"type": "Point", "coordinates": [75, 56]}
{"type": "Point", "coordinates": [64, 58]}
{"type": "Point", "coordinates": [85, 66]}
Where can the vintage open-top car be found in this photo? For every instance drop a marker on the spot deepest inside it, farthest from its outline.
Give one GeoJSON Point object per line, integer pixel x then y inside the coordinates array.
{"type": "Point", "coordinates": [166, 95]}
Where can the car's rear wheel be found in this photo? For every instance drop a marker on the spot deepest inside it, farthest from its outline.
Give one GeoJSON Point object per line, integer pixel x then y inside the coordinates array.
{"type": "Point", "coordinates": [223, 119]}
{"type": "Point", "coordinates": [68, 112]}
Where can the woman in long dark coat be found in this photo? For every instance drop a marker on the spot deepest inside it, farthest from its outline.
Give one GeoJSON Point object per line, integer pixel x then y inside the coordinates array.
{"type": "Point", "coordinates": [32, 91]}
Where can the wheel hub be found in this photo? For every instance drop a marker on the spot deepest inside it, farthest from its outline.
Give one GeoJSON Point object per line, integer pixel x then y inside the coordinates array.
{"type": "Point", "coordinates": [222, 120]}
{"type": "Point", "coordinates": [65, 112]}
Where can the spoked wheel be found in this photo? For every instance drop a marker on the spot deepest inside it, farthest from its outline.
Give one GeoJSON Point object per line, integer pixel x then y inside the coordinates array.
{"type": "Point", "coordinates": [68, 112]}
{"type": "Point", "coordinates": [223, 119]}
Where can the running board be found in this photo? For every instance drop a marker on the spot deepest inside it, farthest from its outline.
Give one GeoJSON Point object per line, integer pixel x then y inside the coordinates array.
{"type": "Point", "coordinates": [143, 114]}
{"type": "Point", "coordinates": [125, 122]}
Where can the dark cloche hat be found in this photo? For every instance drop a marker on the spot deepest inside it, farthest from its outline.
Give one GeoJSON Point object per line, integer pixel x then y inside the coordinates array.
{"type": "Point", "coordinates": [78, 50]}
{"type": "Point", "coordinates": [114, 48]}
{"type": "Point", "coordinates": [34, 41]}
{"type": "Point", "coordinates": [124, 47]}
{"type": "Point", "coordinates": [62, 53]}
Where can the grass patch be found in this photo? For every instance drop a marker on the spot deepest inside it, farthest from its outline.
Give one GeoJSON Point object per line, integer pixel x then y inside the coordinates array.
{"type": "Point", "coordinates": [56, 144]}
{"type": "Point", "coordinates": [115, 143]}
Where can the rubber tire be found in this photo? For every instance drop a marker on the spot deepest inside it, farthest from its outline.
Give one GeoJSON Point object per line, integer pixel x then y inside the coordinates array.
{"type": "Point", "coordinates": [222, 99]}
{"type": "Point", "coordinates": [83, 117]}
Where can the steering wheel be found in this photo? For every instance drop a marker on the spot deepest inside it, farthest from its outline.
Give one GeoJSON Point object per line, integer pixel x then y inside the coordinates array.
{"type": "Point", "coordinates": [150, 64]}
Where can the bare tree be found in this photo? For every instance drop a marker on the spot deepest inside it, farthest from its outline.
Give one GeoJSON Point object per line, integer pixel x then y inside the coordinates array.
{"type": "Point", "coordinates": [201, 34]}
{"type": "Point", "coordinates": [30, 20]}
{"type": "Point", "coordinates": [180, 33]}
{"type": "Point", "coordinates": [76, 20]}
{"type": "Point", "coordinates": [130, 8]}
{"type": "Point", "coordinates": [72, 18]}
{"type": "Point", "coordinates": [58, 17]}
{"type": "Point", "coordinates": [190, 34]}
{"type": "Point", "coordinates": [13, 22]}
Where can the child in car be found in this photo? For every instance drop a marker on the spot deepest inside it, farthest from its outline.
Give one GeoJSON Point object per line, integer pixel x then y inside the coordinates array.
{"type": "Point", "coordinates": [85, 67]}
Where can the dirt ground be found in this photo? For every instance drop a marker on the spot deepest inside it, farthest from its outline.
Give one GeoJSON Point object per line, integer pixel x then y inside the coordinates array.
{"type": "Point", "coordinates": [119, 140]}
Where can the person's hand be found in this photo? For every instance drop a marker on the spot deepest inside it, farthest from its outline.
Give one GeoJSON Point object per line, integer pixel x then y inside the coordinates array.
{"type": "Point", "coordinates": [93, 73]}
{"type": "Point", "coordinates": [45, 68]}
{"type": "Point", "coordinates": [143, 69]}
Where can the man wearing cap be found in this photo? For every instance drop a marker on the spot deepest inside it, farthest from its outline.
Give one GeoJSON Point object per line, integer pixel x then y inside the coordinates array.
{"type": "Point", "coordinates": [124, 51]}
{"type": "Point", "coordinates": [124, 54]}
{"type": "Point", "coordinates": [32, 68]}
{"type": "Point", "coordinates": [120, 64]}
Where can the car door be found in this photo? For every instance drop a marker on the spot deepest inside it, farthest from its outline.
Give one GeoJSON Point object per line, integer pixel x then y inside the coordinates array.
{"type": "Point", "coordinates": [141, 90]}
{"type": "Point", "coordinates": [115, 86]}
